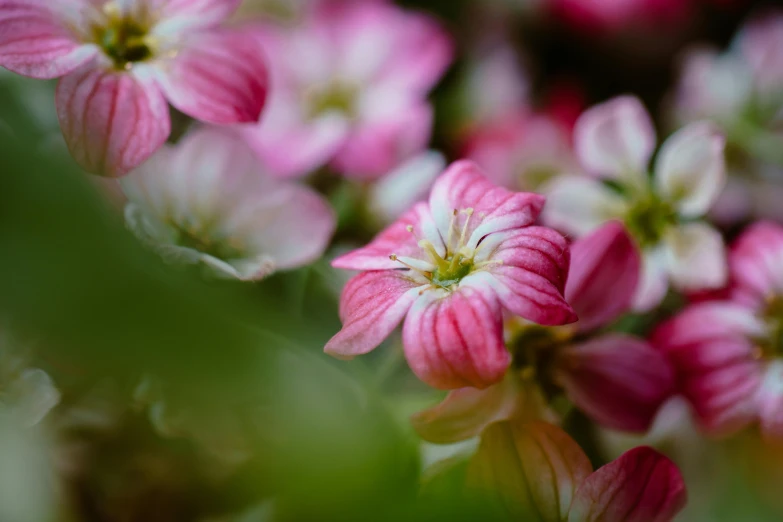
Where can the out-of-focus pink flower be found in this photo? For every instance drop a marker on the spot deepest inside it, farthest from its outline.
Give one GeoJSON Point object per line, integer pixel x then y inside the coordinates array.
{"type": "Point", "coordinates": [761, 43]}
{"type": "Point", "coordinates": [349, 88]}
{"type": "Point", "coordinates": [729, 353]}
{"type": "Point", "coordinates": [119, 61]}
{"type": "Point", "coordinates": [207, 200]}
{"type": "Point", "coordinates": [615, 141]}
{"type": "Point", "coordinates": [450, 267]}
{"type": "Point", "coordinates": [620, 15]}
{"type": "Point", "coordinates": [618, 380]}
{"type": "Point", "coordinates": [535, 471]}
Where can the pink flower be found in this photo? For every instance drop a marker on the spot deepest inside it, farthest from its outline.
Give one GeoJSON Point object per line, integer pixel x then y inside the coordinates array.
{"type": "Point", "coordinates": [207, 200]}
{"type": "Point", "coordinates": [349, 88]}
{"type": "Point", "coordinates": [450, 267]}
{"type": "Point", "coordinates": [618, 380]}
{"type": "Point", "coordinates": [535, 471]}
{"type": "Point", "coordinates": [729, 353]}
{"type": "Point", "coordinates": [615, 141]}
{"type": "Point", "coordinates": [120, 60]}
{"type": "Point", "coordinates": [621, 15]}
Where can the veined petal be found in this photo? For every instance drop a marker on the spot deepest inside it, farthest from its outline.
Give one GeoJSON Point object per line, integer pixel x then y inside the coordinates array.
{"type": "Point", "coordinates": [454, 339]}
{"type": "Point", "coordinates": [527, 269]}
{"type": "Point", "coordinates": [495, 209]}
{"type": "Point", "coordinates": [112, 121]}
{"type": "Point", "coordinates": [756, 259]}
{"type": "Point", "coordinates": [533, 469]}
{"type": "Point", "coordinates": [579, 205]}
{"type": "Point", "coordinates": [770, 399]}
{"type": "Point", "coordinates": [691, 169]}
{"type": "Point", "coordinates": [371, 306]}
{"type": "Point", "coordinates": [35, 42]}
{"type": "Point", "coordinates": [218, 77]}
{"type": "Point", "coordinates": [395, 239]}
{"type": "Point", "coordinates": [618, 380]}
{"type": "Point", "coordinates": [640, 486]}
{"type": "Point", "coordinates": [178, 16]}
{"type": "Point", "coordinates": [696, 257]}
{"type": "Point", "coordinates": [607, 258]}
{"type": "Point", "coordinates": [465, 412]}
{"type": "Point", "coordinates": [616, 139]}
{"type": "Point", "coordinates": [654, 282]}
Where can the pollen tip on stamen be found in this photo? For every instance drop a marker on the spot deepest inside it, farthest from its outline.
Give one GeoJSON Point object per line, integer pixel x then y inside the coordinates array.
{"type": "Point", "coordinates": [468, 211]}
{"type": "Point", "coordinates": [393, 257]}
{"type": "Point", "coordinates": [409, 228]}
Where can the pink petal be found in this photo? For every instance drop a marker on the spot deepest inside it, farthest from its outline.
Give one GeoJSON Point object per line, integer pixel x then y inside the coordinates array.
{"type": "Point", "coordinates": [756, 259]}
{"type": "Point", "coordinates": [465, 412]}
{"type": "Point", "coordinates": [770, 398]}
{"type": "Point", "coordinates": [395, 239]}
{"type": "Point", "coordinates": [691, 169]}
{"type": "Point", "coordinates": [454, 339]}
{"type": "Point", "coordinates": [618, 380]}
{"type": "Point", "coordinates": [531, 274]}
{"type": "Point", "coordinates": [495, 209]}
{"type": "Point", "coordinates": [640, 486]}
{"type": "Point", "coordinates": [534, 469]}
{"type": "Point", "coordinates": [35, 42]}
{"type": "Point", "coordinates": [607, 258]}
{"type": "Point", "coordinates": [112, 121]}
{"type": "Point", "coordinates": [182, 15]}
{"type": "Point", "coordinates": [371, 306]}
{"type": "Point", "coordinates": [218, 77]}
{"type": "Point", "coordinates": [616, 139]}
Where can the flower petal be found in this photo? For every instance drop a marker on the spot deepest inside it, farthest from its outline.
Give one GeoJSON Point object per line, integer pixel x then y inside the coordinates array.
{"type": "Point", "coordinates": [616, 139]}
{"type": "Point", "coordinates": [770, 398]}
{"type": "Point", "coordinates": [579, 205]}
{"type": "Point", "coordinates": [454, 339]}
{"type": "Point", "coordinates": [696, 257]}
{"type": "Point", "coordinates": [691, 168]}
{"type": "Point", "coordinates": [640, 486]}
{"type": "Point", "coordinates": [618, 380]}
{"type": "Point", "coordinates": [607, 258]}
{"type": "Point", "coordinates": [371, 306]}
{"type": "Point", "coordinates": [756, 259]}
{"type": "Point", "coordinates": [654, 282]}
{"type": "Point", "coordinates": [465, 412]}
{"type": "Point", "coordinates": [495, 209]}
{"type": "Point", "coordinates": [528, 270]}
{"type": "Point", "coordinates": [534, 469]}
{"type": "Point", "coordinates": [178, 16]}
{"type": "Point", "coordinates": [32, 395]}
{"type": "Point", "coordinates": [112, 121]}
{"type": "Point", "coordinates": [710, 346]}
{"type": "Point", "coordinates": [218, 77]}
{"type": "Point", "coordinates": [35, 42]}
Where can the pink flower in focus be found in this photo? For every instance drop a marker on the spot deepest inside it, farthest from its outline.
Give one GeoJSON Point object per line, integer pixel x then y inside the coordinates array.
{"type": "Point", "coordinates": [450, 267]}
{"type": "Point", "coordinates": [535, 471]}
{"type": "Point", "coordinates": [614, 141]}
{"type": "Point", "coordinates": [729, 353]}
{"type": "Point", "coordinates": [617, 379]}
{"type": "Point", "coordinates": [207, 200]}
{"type": "Point", "coordinates": [120, 60]}
{"type": "Point", "coordinates": [349, 88]}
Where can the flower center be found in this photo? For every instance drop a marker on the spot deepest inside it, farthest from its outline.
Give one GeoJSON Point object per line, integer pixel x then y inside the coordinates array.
{"type": "Point", "coordinates": [124, 38]}
{"type": "Point", "coordinates": [649, 218]}
{"type": "Point", "coordinates": [447, 270]}
{"type": "Point", "coordinates": [217, 248]}
{"type": "Point", "coordinates": [337, 96]}
{"type": "Point", "coordinates": [772, 345]}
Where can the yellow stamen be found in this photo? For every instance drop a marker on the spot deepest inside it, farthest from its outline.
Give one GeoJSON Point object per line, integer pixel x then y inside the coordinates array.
{"type": "Point", "coordinates": [451, 230]}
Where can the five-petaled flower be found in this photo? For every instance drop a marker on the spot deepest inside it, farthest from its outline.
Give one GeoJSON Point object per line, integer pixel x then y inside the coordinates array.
{"type": "Point", "coordinates": [452, 266]}
{"type": "Point", "coordinates": [120, 60]}
{"type": "Point", "coordinates": [615, 141]}
{"type": "Point", "coordinates": [349, 86]}
{"type": "Point", "coordinates": [207, 200]}
{"type": "Point", "coordinates": [618, 380]}
{"type": "Point", "coordinates": [729, 353]}
{"type": "Point", "coordinates": [535, 472]}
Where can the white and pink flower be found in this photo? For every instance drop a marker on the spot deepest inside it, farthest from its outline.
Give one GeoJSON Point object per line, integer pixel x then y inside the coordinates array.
{"type": "Point", "coordinates": [121, 60]}
{"type": "Point", "coordinates": [618, 380]}
{"type": "Point", "coordinates": [207, 200]}
{"type": "Point", "coordinates": [349, 87]}
{"type": "Point", "coordinates": [614, 142]}
{"type": "Point", "coordinates": [450, 267]}
{"type": "Point", "coordinates": [729, 353]}
{"type": "Point", "coordinates": [535, 471]}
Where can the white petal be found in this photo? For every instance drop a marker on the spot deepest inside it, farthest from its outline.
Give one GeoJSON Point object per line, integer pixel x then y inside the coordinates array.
{"type": "Point", "coordinates": [691, 168]}
{"type": "Point", "coordinates": [655, 281]}
{"type": "Point", "coordinates": [696, 257]}
{"type": "Point", "coordinates": [578, 205]}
